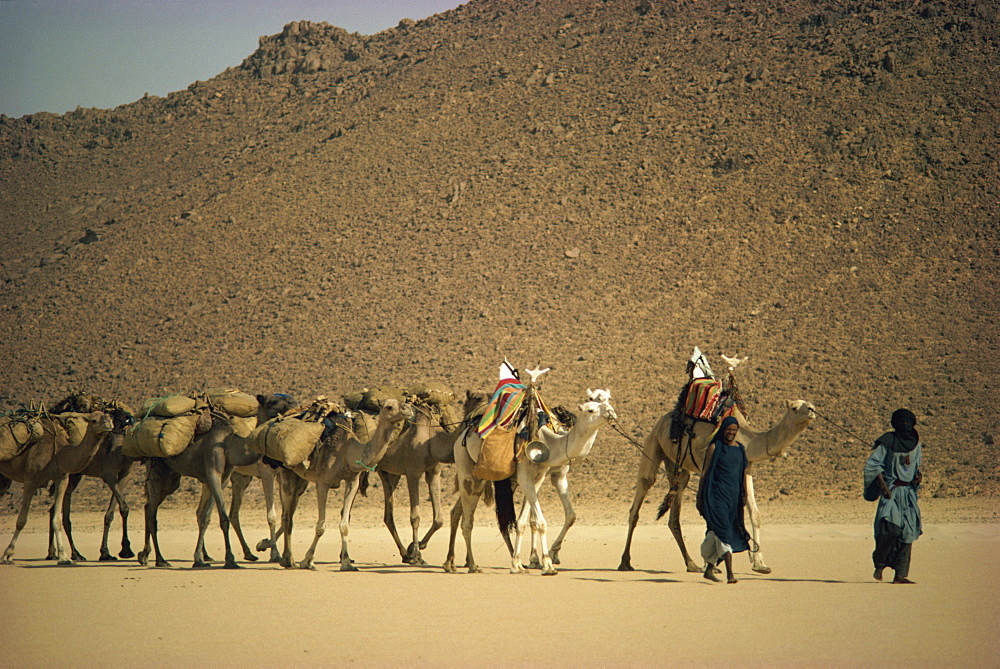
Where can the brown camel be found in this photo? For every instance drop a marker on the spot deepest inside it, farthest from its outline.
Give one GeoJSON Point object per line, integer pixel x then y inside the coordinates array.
{"type": "Point", "coordinates": [210, 458]}
{"type": "Point", "coordinates": [110, 465]}
{"type": "Point", "coordinates": [687, 455]}
{"type": "Point", "coordinates": [421, 449]}
{"type": "Point", "coordinates": [241, 479]}
{"type": "Point", "coordinates": [51, 458]}
{"type": "Point", "coordinates": [341, 457]}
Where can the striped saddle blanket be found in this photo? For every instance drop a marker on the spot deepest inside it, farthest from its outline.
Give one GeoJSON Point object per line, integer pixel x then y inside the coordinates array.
{"type": "Point", "coordinates": [705, 400]}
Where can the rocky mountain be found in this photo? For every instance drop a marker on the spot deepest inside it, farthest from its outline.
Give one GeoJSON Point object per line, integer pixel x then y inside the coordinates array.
{"type": "Point", "coordinates": [591, 186]}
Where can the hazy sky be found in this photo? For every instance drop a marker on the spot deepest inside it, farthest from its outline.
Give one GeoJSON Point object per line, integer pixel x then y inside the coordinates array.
{"type": "Point", "coordinates": [56, 55]}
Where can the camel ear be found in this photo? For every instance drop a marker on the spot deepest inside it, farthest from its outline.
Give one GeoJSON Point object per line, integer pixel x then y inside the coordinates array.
{"type": "Point", "coordinates": [788, 404]}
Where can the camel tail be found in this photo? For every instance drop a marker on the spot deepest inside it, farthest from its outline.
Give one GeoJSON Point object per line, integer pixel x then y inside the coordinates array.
{"type": "Point", "coordinates": [504, 494]}
{"type": "Point", "coordinates": [364, 484]}
{"type": "Point", "coordinates": [668, 501]}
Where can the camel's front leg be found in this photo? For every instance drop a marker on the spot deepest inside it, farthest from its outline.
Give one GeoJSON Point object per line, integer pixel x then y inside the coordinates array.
{"type": "Point", "coordinates": [456, 518]}
{"type": "Point", "coordinates": [561, 483]}
{"type": "Point", "coordinates": [413, 555]}
{"type": "Point", "coordinates": [649, 463]}
{"type": "Point", "coordinates": [389, 483]}
{"type": "Point", "coordinates": [322, 492]}
{"type": "Point", "coordinates": [56, 521]}
{"type": "Point", "coordinates": [22, 519]}
{"type": "Point", "coordinates": [350, 493]}
{"type": "Point", "coordinates": [204, 516]}
{"type": "Point", "coordinates": [520, 527]}
{"type": "Point", "coordinates": [538, 525]}
{"type": "Point", "coordinates": [161, 482]}
{"type": "Point", "coordinates": [117, 501]}
{"type": "Point", "coordinates": [678, 483]}
{"type": "Point", "coordinates": [433, 479]}
{"type": "Point", "coordinates": [273, 521]}
{"type": "Point", "coordinates": [291, 487]}
{"type": "Point", "coordinates": [67, 524]}
{"type": "Point", "coordinates": [238, 484]}
{"type": "Point", "coordinates": [756, 556]}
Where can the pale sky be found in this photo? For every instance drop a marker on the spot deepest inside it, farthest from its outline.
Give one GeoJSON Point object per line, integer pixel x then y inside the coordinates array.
{"type": "Point", "coordinates": [56, 55]}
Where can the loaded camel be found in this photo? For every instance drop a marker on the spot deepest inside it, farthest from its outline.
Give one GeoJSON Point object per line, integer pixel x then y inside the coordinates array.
{"type": "Point", "coordinates": [52, 458]}
{"type": "Point", "coordinates": [421, 449]}
{"type": "Point", "coordinates": [110, 465]}
{"type": "Point", "coordinates": [340, 458]}
{"type": "Point", "coordinates": [210, 458]}
{"type": "Point", "coordinates": [684, 457]}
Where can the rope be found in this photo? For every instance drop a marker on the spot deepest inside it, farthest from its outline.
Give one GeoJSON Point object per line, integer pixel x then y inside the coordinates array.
{"type": "Point", "coordinates": [844, 429]}
{"type": "Point", "coordinates": [615, 427]}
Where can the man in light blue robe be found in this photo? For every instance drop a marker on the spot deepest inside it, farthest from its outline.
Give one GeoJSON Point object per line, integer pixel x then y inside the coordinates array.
{"type": "Point", "coordinates": [892, 472]}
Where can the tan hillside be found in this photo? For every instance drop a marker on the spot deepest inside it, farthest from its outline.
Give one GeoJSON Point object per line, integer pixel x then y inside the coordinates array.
{"type": "Point", "coordinates": [592, 186]}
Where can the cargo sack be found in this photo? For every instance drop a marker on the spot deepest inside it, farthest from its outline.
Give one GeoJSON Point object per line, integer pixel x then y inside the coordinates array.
{"type": "Point", "coordinates": [159, 437]}
{"type": "Point", "coordinates": [496, 458]}
{"type": "Point", "coordinates": [288, 440]}
{"type": "Point", "coordinates": [16, 434]}
{"type": "Point", "coordinates": [375, 397]}
{"type": "Point", "coordinates": [243, 426]}
{"type": "Point", "coordinates": [168, 407]}
{"type": "Point", "coordinates": [353, 400]}
{"type": "Point", "coordinates": [363, 425]}
{"type": "Point", "coordinates": [75, 425]}
{"type": "Point", "coordinates": [232, 402]}
{"type": "Point", "coordinates": [432, 392]}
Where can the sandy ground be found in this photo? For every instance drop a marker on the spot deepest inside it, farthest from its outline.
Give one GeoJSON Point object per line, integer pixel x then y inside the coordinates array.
{"type": "Point", "coordinates": [819, 607]}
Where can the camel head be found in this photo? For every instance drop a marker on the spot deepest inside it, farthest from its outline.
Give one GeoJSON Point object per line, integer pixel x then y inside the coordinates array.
{"type": "Point", "coordinates": [733, 362]}
{"type": "Point", "coordinates": [800, 412]}
{"type": "Point", "coordinates": [100, 422]}
{"type": "Point", "coordinates": [394, 412]}
{"type": "Point", "coordinates": [269, 406]}
{"type": "Point", "coordinates": [598, 405]}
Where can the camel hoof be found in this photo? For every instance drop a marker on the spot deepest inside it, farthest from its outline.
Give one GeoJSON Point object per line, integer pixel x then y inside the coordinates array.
{"type": "Point", "coordinates": [475, 570]}
{"type": "Point", "coordinates": [551, 571]}
{"type": "Point", "coordinates": [534, 564]}
{"type": "Point", "coordinates": [76, 557]}
{"type": "Point", "coordinates": [232, 565]}
{"type": "Point", "coordinates": [163, 564]}
{"type": "Point", "coordinates": [555, 558]}
{"type": "Point", "coordinates": [126, 553]}
{"type": "Point", "coordinates": [275, 559]}
{"type": "Point", "coordinates": [143, 558]}
{"type": "Point", "coordinates": [762, 570]}
{"type": "Point", "coordinates": [250, 557]}
{"type": "Point", "coordinates": [65, 563]}
{"type": "Point", "coordinates": [625, 566]}
{"type": "Point", "coordinates": [347, 566]}
{"type": "Point", "coordinates": [107, 557]}
{"type": "Point", "coordinates": [208, 558]}
{"type": "Point", "coordinates": [201, 565]}
{"type": "Point", "coordinates": [50, 556]}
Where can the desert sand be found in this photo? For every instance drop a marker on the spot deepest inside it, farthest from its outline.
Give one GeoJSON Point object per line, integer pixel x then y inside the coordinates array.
{"type": "Point", "coordinates": [819, 607]}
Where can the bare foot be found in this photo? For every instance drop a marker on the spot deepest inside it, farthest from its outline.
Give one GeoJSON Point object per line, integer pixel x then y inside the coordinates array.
{"type": "Point", "coordinates": [902, 580]}
{"type": "Point", "coordinates": [878, 574]}
{"type": "Point", "coordinates": [732, 579]}
{"type": "Point", "coordinates": [709, 573]}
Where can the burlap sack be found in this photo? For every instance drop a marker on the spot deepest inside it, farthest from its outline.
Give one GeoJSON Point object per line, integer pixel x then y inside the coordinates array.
{"type": "Point", "coordinates": [432, 392]}
{"type": "Point", "coordinates": [75, 425]}
{"type": "Point", "coordinates": [16, 434]}
{"type": "Point", "coordinates": [375, 397]}
{"type": "Point", "coordinates": [158, 437]}
{"type": "Point", "coordinates": [168, 407]}
{"type": "Point", "coordinates": [364, 426]}
{"type": "Point", "coordinates": [496, 459]}
{"type": "Point", "coordinates": [288, 440]}
{"type": "Point", "coordinates": [232, 402]}
{"type": "Point", "coordinates": [243, 426]}
{"type": "Point", "coordinates": [353, 400]}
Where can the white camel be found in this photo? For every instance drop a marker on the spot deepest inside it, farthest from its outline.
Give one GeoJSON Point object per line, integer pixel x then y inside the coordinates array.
{"type": "Point", "coordinates": [687, 455]}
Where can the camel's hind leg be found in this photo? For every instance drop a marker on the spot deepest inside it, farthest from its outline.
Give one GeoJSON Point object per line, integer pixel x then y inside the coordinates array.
{"type": "Point", "coordinates": [267, 479]}
{"type": "Point", "coordinates": [67, 523]}
{"type": "Point", "coordinates": [22, 519]}
{"type": "Point", "coordinates": [456, 518]}
{"type": "Point", "coordinates": [161, 481]}
{"type": "Point", "coordinates": [350, 493]}
{"type": "Point", "coordinates": [204, 517]}
{"type": "Point", "coordinates": [117, 501]}
{"type": "Point", "coordinates": [538, 524]}
{"type": "Point", "coordinates": [433, 479]}
{"type": "Point", "coordinates": [291, 487]}
{"type": "Point", "coordinates": [678, 483]}
{"type": "Point", "coordinates": [756, 556]}
{"type": "Point", "coordinates": [649, 463]}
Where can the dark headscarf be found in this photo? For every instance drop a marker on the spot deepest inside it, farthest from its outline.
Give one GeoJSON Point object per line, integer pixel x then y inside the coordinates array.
{"type": "Point", "coordinates": [904, 437]}
{"type": "Point", "coordinates": [726, 422]}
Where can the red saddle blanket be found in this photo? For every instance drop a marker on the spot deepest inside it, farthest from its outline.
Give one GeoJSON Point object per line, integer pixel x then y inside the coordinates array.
{"type": "Point", "coordinates": [706, 401]}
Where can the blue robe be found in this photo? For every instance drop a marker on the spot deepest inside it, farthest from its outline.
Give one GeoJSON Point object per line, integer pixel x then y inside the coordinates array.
{"type": "Point", "coordinates": [902, 510]}
{"type": "Point", "coordinates": [723, 491]}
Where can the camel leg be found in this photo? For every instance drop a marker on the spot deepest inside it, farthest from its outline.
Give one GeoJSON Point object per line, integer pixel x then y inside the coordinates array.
{"type": "Point", "coordinates": [649, 463]}
{"type": "Point", "coordinates": [433, 479]}
{"type": "Point", "coordinates": [678, 483]}
{"type": "Point", "coordinates": [413, 550]}
{"type": "Point", "coordinates": [389, 483]}
{"type": "Point", "coordinates": [117, 500]}
{"type": "Point", "coordinates": [204, 516]}
{"type": "Point", "coordinates": [350, 493]}
{"type": "Point", "coordinates": [67, 524]}
{"type": "Point", "coordinates": [538, 524]}
{"type": "Point", "coordinates": [161, 481]}
{"type": "Point", "coordinates": [456, 518]}
{"type": "Point", "coordinates": [238, 483]}
{"type": "Point", "coordinates": [56, 521]}
{"type": "Point", "coordinates": [516, 566]}
{"type": "Point", "coordinates": [217, 477]}
{"type": "Point", "coordinates": [561, 483]}
{"type": "Point", "coordinates": [291, 487]}
{"type": "Point", "coordinates": [22, 519]}
{"type": "Point", "coordinates": [469, 501]}
{"type": "Point", "coordinates": [322, 492]}
{"type": "Point", "coordinates": [267, 483]}
{"type": "Point", "coordinates": [756, 557]}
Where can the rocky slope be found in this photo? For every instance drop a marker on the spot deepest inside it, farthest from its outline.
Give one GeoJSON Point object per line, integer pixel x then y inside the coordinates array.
{"type": "Point", "coordinates": [595, 187]}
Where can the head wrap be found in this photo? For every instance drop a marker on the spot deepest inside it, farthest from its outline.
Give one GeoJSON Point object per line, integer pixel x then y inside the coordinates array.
{"type": "Point", "coordinates": [726, 422]}
{"type": "Point", "coordinates": [904, 437]}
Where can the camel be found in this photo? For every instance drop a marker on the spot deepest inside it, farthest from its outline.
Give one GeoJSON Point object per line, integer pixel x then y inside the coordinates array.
{"type": "Point", "coordinates": [240, 480]}
{"type": "Point", "coordinates": [562, 451]}
{"type": "Point", "coordinates": [421, 449]}
{"type": "Point", "coordinates": [51, 458]}
{"type": "Point", "coordinates": [110, 465]}
{"type": "Point", "coordinates": [340, 458]}
{"type": "Point", "coordinates": [210, 458]}
{"type": "Point", "coordinates": [687, 456]}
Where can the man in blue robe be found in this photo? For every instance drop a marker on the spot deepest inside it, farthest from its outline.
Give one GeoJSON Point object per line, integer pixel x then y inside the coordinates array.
{"type": "Point", "coordinates": [892, 473]}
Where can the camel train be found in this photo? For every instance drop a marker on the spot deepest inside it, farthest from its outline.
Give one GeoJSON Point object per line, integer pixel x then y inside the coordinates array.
{"type": "Point", "coordinates": [497, 442]}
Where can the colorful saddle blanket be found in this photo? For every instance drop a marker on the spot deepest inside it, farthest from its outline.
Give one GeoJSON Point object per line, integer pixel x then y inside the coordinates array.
{"type": "Point", "coordinates": [706, 401]}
